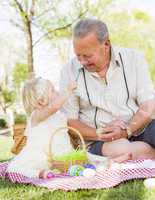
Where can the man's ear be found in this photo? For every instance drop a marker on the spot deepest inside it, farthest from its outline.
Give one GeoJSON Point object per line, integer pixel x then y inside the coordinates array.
{"type": "Point", "coordinates": [107, 43]}
{"type": "Point", "coordinates": [107, 46]}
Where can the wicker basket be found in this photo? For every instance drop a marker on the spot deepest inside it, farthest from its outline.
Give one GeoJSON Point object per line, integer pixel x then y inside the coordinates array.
{"type": "Point", "coordinates": [63, 166]}
{"type": "Point", "coordinates": [19, 138]}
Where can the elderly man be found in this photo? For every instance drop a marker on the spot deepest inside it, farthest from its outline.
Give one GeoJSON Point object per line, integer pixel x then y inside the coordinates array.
{"type": "Point", "coordinates": [114, 93]}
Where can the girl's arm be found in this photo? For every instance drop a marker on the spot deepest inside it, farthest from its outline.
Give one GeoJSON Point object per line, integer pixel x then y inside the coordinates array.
{"type": "Point", "coordinates": [44, 112]}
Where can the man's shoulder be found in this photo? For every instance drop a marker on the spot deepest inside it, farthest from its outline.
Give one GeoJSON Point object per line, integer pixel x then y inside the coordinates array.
{"type": "Point", "coordinates": [72, 66]}
{"type": "Point", "coordinates": [127, 51]}
{"type": "Point", "coordinates": [72, 62]}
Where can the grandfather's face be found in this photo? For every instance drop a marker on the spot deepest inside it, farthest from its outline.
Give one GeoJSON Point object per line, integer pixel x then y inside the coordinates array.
{"type": "Point", "coordinates": [90, 52]}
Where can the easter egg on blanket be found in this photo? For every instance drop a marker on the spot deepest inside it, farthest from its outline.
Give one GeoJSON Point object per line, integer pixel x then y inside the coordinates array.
{"type": "Point", "coordinates": [90, 166]}
{"type": "Point", "coordinates": [50, 175]}
{"type": "Point", "coordinates": [75, 170]}
{"type": "Point", "coordinates": [89, 172]}
{"type": "Point", "coordinates": [100, 168]}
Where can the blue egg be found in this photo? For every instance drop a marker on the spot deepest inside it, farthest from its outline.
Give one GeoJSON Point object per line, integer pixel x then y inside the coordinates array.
{"type": "Point", "coordinates": [90, 166]}
{"type": "Point", "coordinates": [80, 173]}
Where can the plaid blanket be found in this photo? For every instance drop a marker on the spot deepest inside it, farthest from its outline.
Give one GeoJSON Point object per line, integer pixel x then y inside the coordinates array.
{"type": "Point", "coordinates": [105, 179]}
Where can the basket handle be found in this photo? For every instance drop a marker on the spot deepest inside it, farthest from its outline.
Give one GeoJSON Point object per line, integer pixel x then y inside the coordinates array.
{"type": "Point", "coordinates": [69, 128]}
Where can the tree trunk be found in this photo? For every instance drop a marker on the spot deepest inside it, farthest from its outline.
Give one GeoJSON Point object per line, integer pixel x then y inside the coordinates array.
{"type": "Point", "coordinates": [29, 48]}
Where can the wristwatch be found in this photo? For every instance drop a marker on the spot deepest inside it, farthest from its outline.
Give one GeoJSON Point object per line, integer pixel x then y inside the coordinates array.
{"type": "Point", "coordinates": [129, 132]}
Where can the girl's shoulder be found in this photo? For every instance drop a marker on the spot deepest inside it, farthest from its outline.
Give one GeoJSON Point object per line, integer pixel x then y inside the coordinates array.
{"type": "Point", "coordinates": [57, 118]}
{"type": "Point", "coordinates": [58, 115]}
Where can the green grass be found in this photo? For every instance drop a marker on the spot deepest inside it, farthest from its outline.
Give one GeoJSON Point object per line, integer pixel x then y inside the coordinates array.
{"type": "Point", "coordinates": [131, 190]}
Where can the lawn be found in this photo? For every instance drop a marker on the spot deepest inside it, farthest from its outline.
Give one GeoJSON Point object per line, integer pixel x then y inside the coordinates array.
{"type": "Point", "coordinates": [131, 190]}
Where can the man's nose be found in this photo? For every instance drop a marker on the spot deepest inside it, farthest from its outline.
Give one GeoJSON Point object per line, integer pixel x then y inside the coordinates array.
{"type": "Point", "coordinates": [83, 61]}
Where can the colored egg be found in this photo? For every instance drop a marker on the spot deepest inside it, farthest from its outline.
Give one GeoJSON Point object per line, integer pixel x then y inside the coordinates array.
{"type": "Point", "coordinates": [100, 168]}
{"type": "Point", "coordinates": [75, 169]}
{"type": "Point", "coordinates": [89, 172]}
{"type": "Point", "coordinates": [89, 166]}
{"type": "Point", "coordinates": [50, 175]}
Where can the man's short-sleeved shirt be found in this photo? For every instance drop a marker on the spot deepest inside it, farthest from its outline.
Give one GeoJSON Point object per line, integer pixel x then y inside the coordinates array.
{"type": "Point", "coordinates": [127, 85]}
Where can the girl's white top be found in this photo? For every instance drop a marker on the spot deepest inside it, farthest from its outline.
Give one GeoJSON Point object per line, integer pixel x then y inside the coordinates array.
{"type": "Point", "coordinates": [33, 157]}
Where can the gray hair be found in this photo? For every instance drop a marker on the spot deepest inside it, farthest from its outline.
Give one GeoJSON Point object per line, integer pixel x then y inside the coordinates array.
{"type": "Point", "coordinates": [86, 26]}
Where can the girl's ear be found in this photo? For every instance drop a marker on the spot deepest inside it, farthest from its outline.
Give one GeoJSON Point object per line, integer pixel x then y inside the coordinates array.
{"type": "Point", "coordinates": [41, 103]}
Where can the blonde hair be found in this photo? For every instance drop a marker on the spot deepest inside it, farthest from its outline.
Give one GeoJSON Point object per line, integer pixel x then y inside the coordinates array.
{"type": "Point", "coordinates": [34, 90]}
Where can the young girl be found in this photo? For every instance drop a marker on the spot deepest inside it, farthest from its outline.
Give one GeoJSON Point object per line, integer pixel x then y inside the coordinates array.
{"type": "Point", "coordinates": [42, 104]}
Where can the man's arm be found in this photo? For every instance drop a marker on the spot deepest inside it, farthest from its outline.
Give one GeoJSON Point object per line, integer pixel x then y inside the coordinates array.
{"type": "Point", "coordinates": [142, 117]}
{"type": "Point", "coordinates": [139, 121]}
{"type": "Point", "coordinates": [87, 132]}
{"type": "Point", "coordinates": [145, 97]}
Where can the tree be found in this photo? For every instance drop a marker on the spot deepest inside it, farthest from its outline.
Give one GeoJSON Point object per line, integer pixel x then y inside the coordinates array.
{"type": "Point", "coordinates": [7, 98]}
{"type": "Point", "coordinates": [36, 14]}
{"type": "Point", "coordinates": [20, 74]}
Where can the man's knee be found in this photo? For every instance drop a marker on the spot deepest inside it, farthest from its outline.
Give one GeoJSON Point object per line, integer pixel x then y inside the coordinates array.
{"type": "Point", "coordinates": [116, 147]}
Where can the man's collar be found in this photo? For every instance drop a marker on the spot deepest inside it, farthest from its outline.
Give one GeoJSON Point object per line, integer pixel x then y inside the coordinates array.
{"type": "Point", "coordinates": [115, 56]}
{"type": "Point", "coordinates": [114, 61]}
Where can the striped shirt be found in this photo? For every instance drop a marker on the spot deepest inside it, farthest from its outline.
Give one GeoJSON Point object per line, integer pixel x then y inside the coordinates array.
{"type": "Point", "coordinates": [127, 85]}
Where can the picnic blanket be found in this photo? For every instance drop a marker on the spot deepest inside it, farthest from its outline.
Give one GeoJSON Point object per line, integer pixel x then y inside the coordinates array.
{"type": "Point", "coordinates": [104, 179]}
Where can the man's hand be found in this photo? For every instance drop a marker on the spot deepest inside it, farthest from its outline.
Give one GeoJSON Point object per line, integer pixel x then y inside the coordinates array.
{"type": "Point", "coordinates": [113, 133]}
{"type": "Point", "coordinates": [114, 130]}
{"type": "Point", "coordinates": [118, 122]}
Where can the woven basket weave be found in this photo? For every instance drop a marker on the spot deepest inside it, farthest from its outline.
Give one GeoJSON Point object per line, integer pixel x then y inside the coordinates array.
{"type": "Point", "coordinates": [19, 138]}
{"type": "Point", "coordinates": [63, 166]}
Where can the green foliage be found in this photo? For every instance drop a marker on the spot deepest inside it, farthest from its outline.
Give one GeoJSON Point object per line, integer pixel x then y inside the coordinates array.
{"type": "Point", "coordinates": [133, 31]}
{"type": "Point", "coordinates": [3, 123]}
{"type": "Point", "coordinates": [20, 74]}
{"type": "Point", "coordinates": [19, 118]}
{"type": "Point", "coordinates": [97, 7]}
{"type": "Point", "coordinates": [152, 71]}
{"type": "Point", "coordinates": [140, 15]}
{"type": "Point", "coordinates": [9, 96]}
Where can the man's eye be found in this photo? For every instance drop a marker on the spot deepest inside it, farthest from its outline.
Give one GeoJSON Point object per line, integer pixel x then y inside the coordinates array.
{"type": "Point", "coordinates": [79, 57]}
{"type": "Point", "coordinates": [88, 56]}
